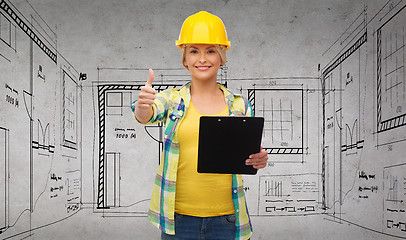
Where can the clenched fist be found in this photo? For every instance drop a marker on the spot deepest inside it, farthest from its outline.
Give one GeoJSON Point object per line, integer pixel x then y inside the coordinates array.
{"type": "Point", "coordinates": [143, 107]}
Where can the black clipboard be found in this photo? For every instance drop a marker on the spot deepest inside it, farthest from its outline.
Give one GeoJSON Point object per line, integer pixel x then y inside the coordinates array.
{"type": "Point", "coordinates": [225, 142]}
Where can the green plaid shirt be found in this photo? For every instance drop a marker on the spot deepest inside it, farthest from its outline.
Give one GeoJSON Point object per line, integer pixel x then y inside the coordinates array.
{"type": "Point", "coordinates": [170, 107]}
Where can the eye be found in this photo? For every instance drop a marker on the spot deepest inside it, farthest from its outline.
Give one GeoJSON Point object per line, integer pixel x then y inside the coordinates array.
{"type": "Point", "coordinates": [211, 51]}
{"type": "Point", "coordinates": [193, 51]}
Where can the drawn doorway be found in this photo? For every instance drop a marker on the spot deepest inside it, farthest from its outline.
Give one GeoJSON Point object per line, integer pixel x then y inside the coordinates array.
{"type": "Point", "coordinates": [112, 179]}
{"type": "Point", "coordinates": [3, 179]}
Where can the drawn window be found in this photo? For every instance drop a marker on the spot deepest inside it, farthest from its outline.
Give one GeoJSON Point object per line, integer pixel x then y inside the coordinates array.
{"type": "Point", "coordinates": [69, 114]}
{"type": "Point", "coordinates": [283, 111]}
{"type": "Point", "coordinates": [7, 31]}
{"type": "Point", "coordinates": [117, 102]}
{"type": "Point", "coordinates": [391, 74]}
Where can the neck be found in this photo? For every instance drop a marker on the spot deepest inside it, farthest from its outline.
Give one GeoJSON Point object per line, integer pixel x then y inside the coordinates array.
{"type": "Point", "coordinates": [204, 88]}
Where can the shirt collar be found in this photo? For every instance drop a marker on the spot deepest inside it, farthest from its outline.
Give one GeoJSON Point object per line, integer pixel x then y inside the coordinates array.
{"type": "Point", "coordinates": [185, 93]}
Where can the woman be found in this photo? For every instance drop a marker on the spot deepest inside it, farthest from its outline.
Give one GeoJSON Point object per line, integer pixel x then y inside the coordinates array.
{"type": "Point", "coordinates": [186, 204]}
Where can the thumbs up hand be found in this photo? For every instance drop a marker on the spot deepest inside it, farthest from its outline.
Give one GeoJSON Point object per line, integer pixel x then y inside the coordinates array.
{"type": "Point", "coordinates": [143, 107]}
{"type": "Point", "coordinates": [147, 95]}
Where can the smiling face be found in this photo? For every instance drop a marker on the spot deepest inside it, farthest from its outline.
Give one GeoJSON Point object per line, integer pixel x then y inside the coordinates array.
{"type": "Point", "coordinates": [203, 61]}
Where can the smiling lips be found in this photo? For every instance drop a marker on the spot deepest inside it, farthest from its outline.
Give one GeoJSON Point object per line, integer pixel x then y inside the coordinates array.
{"type": "Point", "coordinates": [203, 68]}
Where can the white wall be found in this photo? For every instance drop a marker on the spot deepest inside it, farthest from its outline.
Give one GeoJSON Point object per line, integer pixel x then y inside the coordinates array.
{"type": "Point", "coordinates": [336, 168]}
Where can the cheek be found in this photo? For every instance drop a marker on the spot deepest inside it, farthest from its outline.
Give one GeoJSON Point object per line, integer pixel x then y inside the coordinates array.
{"type": "Point", "coordinates": [216, 61]}
{"type": "Point", "coordinates": [189, 60]}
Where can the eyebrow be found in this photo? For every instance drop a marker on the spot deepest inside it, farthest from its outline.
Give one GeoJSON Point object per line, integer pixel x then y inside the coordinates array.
{"type": "Point", "coordinates": [206, 48]}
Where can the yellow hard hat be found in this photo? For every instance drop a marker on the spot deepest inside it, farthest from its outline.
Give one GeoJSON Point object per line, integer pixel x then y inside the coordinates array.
{"type": "Point", "coordinates": [203, 28]}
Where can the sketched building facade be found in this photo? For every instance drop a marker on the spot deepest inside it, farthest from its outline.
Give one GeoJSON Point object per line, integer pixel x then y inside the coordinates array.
{"type": "Point", "coordinates": [40, 129]}
{"type": "Point", "coordinates": [364, 124]}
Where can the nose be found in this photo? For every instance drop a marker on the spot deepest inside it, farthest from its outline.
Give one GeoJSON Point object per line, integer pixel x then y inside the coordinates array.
{"type": "Point", "coordinates": [202, 57]}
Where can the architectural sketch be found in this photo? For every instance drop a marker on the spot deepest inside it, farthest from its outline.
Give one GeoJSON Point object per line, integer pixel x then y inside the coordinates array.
{"type": "Point", "coordinates": [284, 129]}
{"type": "Point", "coordinates": [394, 199]}
{"type": "Point", "coordinates": [115, 162]}
{"type": "Point", "coordinates": [288, 195]}
{"type": "Point", "coordinates": [281, 190]}
{"type": "Point", "coordinates": [40, 150]}
{"type": "Point", "coordinates": [335, 140]}
{"type": "Point", "coordinates": [371, 48]}
{"type": "Point", "coordinates": [342, 99]}
{"type": "Point", "coordinates": [390, 77]}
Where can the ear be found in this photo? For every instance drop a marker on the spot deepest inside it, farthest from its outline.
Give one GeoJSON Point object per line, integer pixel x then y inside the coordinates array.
{"type": "Point", "coordinates": [184, 57]}
{"type": "Point", "coordinates": [185, 65]}
{"type": "Point", "coordinates": [223, 61]}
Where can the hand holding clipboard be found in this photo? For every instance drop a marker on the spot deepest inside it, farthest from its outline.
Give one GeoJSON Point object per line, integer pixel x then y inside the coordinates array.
{"type": "Point", "coordinates": [231, 145]}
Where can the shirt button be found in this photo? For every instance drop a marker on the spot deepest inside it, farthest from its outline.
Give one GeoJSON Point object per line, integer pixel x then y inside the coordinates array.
{"type": "Point", "coordinates": [235, 191]}
{"type": "Point", "coordinates": [238, 210]}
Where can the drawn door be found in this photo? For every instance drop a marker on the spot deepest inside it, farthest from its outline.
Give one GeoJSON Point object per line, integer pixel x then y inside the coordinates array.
{"type": "Point", "coordinates": [113, 179]}
{"type": "Point", "coordinates": [3, 179]}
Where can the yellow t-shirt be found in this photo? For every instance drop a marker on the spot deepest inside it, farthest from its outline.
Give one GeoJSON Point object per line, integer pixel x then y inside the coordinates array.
{"type": "Point", "coordinates": [199, 194]}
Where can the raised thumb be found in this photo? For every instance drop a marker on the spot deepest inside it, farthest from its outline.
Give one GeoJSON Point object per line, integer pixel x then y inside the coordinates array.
{"type": "Point", "coordinates": [150, 79]}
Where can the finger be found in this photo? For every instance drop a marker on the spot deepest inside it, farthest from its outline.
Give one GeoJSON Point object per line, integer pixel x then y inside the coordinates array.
{"type": "Point", "coordinates": [256, 164]}
{"type": "Point", "coordinates": [146, 95]}
{"type": "Point", "coordinates": [251, 161]}
{"type": "Point", "coordinates": [261, 154]}
{"type": "Point", "coordinates": [147, 90]}
{"type": "Point", "coordinates": [143, 106]}
{"type": "Point", "coordinates": [260, 163]}
{"type": "Point", "coordinates": [257, 158]}
{"type": "Point", "coordinates": [259, 166]}
{"type": "Point", "coordinates": [150, 79]}
{"type": "Point", "coordinates": [146, 101]}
